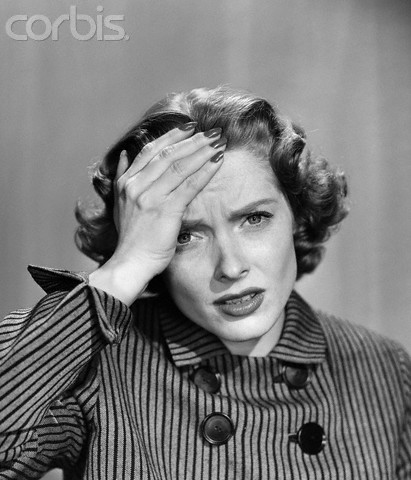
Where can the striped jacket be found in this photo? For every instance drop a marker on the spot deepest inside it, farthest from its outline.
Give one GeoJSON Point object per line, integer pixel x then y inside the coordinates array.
{"type": "Point", "coordinates": [108, 392]}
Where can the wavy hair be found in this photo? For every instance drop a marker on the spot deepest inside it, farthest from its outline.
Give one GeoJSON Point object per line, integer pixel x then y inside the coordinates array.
{"type": "Point", "coordinates": [316, 191]}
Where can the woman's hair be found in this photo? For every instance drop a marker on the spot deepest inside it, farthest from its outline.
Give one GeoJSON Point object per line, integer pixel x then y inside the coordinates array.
{"type": "Point", "coordinates": [316, 191]}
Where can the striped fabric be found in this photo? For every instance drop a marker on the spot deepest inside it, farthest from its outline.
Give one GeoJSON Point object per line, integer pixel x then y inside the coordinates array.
{"type": "Point", "coordinates": [108, 392]}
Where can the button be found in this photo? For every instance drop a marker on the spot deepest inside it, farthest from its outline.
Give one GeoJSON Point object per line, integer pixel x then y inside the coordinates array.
{"type": "Point", "coordinates": [217, 428]}
{"type": "Point", "coordinates": [310, 437]}
{"type": "Point", "coordinates": [295, 376]}
{"type": "Point", "coordinates": [207, 379]}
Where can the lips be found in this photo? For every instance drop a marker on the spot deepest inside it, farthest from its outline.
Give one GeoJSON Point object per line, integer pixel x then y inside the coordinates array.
{"type": "Point", "coordinates": [241, 304]}
{"type": "Point", "coordinates": [238, 297]}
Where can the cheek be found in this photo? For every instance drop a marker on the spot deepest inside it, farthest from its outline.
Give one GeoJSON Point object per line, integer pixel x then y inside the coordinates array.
{"type": "Point", "coordinates": [278, 255]}
{"type": "Point", "coordinates": [289, 266]}
{"type": "Point", "coordinates": [183, 279]}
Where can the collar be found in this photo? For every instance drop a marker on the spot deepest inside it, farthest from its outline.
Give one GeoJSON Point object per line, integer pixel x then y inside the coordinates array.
{"type": "Point", "coordinates": [302, 339]}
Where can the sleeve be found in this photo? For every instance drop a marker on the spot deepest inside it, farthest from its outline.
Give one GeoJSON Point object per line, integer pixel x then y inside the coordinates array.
{"type": "Point", "coordinates": [47, 371]}
{"type": "Point", "coordinates": [403, 471]}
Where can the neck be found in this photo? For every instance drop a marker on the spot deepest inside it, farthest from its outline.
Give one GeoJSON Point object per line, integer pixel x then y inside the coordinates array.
{"type": "Point", "coordinates": [257, 347]}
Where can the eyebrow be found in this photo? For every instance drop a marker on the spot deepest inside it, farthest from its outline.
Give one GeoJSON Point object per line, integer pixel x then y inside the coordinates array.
{"type": "Point", "coordinates": [235, 214]}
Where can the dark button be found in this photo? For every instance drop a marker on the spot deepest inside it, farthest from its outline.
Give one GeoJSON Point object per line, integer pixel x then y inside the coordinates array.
{"type": "Point", "coordinates": [207, 380]}
{"type": "Point", "coordinates": [217, 428]}
{"type": "Point", "coordinates": [310, 437]}
{"type": "Point", "coordinates": [295, 376]}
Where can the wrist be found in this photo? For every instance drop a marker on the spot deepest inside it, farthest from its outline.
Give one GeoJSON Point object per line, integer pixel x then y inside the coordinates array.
{"type": "Point", "coordinates": [125, 281]}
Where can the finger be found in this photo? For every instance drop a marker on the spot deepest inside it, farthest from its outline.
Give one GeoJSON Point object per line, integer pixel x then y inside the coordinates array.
{"type": "Point", "coordinates": [178, 150]}
{"type": "Point", "coordinates": [122, 165]}
{"type": "Point", "coordinates": [150, 150]}
{"type": "Point", "coordinates": [185, 193]}
{"type": "Point", "coordinates": [121, 168]}
{"type": "Point", "coordinates": [176, 173]}
{"type": "Point", "coordinates": [186, 147]}
{"type": "Point", "coordinates": [184, 158]}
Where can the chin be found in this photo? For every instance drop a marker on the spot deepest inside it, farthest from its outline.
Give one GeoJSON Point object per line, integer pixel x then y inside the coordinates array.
{"type": "Point", "coordinates": [242, 330]}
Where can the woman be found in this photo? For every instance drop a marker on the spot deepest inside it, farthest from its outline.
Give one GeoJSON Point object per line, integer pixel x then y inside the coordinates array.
{"type": "Point", "coordinates": [224, 372]}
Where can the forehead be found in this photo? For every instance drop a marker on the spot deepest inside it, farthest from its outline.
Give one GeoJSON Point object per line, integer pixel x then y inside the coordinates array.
{"type": "Point", "coordinates": [242, 178]}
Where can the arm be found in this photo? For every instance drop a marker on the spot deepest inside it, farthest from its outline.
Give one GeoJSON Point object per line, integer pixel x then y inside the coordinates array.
{"type": "Point", "coordinates": [43, 351]}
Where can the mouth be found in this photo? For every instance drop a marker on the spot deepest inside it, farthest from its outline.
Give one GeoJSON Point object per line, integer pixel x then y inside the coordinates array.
{"type": "Point", "coordinates": [241, 304]}
{"type": "Point", "coordinates": [243, 296]}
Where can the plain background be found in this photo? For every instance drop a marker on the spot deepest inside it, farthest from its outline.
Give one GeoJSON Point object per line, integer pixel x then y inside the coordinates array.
{"type": "Point", "coordinates": [340, 68]}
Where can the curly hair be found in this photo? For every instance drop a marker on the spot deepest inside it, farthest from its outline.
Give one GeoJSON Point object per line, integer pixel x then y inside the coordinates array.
{"type": "Point", "coordinates": [316, 192]}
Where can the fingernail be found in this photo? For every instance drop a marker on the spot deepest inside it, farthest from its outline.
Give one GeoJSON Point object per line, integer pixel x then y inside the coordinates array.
{"type": "Point", "coordinates": [187, 126]}
{"type": "Point", "coordinates": [123, 153]}
{"type": "Point", "coordinates": [217, 157]}
{"type": "Point", "coordinates": [219, 143]}
{"type": "Point", "coordinates": [214, 132]}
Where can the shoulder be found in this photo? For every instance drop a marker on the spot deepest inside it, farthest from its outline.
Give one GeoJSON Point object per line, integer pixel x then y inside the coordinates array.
{"type": "Point", "coordinates": [358, 349]}
{"type": "Point", "coordinates": [354, 338]}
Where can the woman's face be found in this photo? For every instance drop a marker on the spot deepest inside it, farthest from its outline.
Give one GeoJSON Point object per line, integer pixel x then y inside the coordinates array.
{"type": "Point", "coordinates": [235, 267]}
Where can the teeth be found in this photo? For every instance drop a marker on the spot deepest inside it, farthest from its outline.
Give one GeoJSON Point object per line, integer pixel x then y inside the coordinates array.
{"type": "Point", "coordinates": [240, 300]}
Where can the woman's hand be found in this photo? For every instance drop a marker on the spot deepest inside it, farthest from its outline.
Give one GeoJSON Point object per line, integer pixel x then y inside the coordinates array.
{"type": "Point", "coordinates": [150, 199]}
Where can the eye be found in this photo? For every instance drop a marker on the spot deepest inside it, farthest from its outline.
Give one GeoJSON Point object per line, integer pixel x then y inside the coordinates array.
{"type": "Point", "coordinates": [183, 238]}
{"type": "Point", "coordinates": [257, 218]}
{"type": "Point", "coordinates": [254, 219]}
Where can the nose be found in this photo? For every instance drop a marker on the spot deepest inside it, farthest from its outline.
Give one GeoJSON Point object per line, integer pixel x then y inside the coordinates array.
{"type": "Point", "coordinates": [231, 263]}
